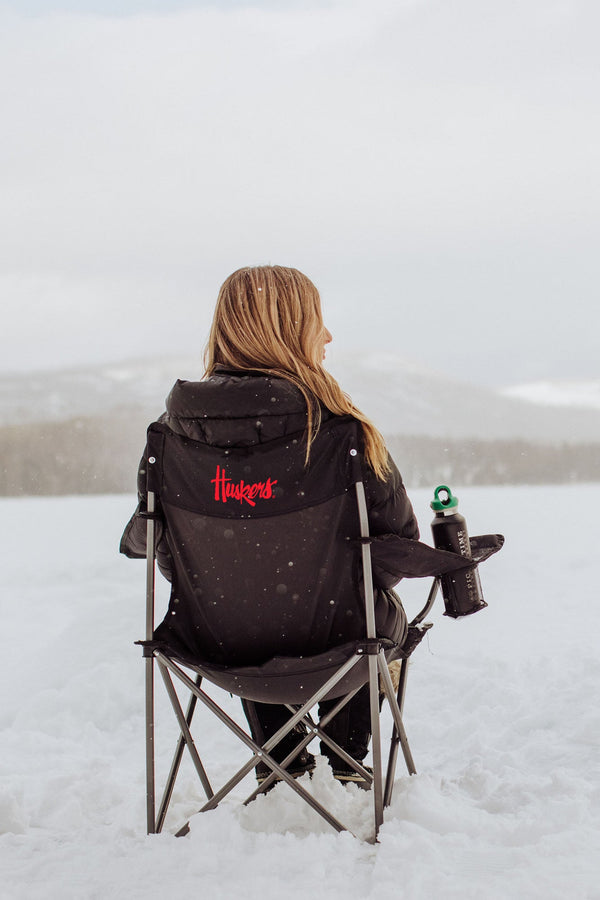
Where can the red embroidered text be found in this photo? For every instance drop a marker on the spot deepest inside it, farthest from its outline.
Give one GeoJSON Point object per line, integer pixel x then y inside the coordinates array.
{"type": "Point", "coordinates": [226, 489]}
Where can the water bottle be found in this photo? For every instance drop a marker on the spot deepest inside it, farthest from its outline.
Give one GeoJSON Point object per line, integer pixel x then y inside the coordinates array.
{"type": "Point", "coordinates": [461, 589]}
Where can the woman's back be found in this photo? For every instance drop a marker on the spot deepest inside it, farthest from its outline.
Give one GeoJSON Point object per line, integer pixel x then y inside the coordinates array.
{"type": "Point", "coordinates": [265, 389]}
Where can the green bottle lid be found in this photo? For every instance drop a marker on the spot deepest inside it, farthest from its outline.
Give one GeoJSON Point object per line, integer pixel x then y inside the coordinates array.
{"type": "Point", "coordinates": [437, 504]}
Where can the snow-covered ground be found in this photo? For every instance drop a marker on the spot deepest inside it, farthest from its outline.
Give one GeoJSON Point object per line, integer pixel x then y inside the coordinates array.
{"type": "Point", "coordinates": [503, 715]}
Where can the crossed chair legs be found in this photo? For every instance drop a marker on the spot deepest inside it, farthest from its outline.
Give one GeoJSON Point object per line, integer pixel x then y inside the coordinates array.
{"type": "Point", "coordinates": [378, 675]}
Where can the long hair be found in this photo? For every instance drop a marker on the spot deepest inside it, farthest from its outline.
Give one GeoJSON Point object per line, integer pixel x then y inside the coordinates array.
{"type": "Point", "coordinates": [268, 319]}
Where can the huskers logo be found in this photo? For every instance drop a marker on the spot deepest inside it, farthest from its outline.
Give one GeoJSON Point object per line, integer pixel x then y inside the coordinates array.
{"type": "Point", "coordinates": [226, 489]}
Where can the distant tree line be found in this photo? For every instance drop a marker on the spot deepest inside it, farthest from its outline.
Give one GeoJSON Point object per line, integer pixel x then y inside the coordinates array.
{"type": "Point", "coordinates": [424, 461]}
{"type": "Point", "coordinates": [98, 456]}
{"type": "Point", "coordinates": [78, 456]}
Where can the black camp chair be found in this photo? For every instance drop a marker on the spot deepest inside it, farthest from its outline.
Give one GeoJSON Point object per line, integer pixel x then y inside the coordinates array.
{"type": "Point", "coordinates": [260, 542]}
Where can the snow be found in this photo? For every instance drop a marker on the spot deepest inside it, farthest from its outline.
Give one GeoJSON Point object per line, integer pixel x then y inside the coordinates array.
{"type": "Point", "coordinates": [569, 392]}
{"type": "Point", "coordinates": [502, 713]}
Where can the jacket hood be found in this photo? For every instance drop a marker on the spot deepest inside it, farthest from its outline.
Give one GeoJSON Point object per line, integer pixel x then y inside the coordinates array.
{"type": "Point", "coordinates": [236, 409]}
{"type": "Point", "coordinates": [233, 394]}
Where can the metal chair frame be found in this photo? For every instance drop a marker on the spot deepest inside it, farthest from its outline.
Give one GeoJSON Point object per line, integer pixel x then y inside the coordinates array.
{"type": "Point", "coordinates": [378, 674]}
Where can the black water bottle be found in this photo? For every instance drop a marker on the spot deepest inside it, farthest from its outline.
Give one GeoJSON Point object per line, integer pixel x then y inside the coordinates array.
{"type": "Point", "coordinates": [461, 589]}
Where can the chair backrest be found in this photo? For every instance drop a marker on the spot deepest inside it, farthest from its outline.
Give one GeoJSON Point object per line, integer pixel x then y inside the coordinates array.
{"type": "Point", "coordinates": [266, 560]}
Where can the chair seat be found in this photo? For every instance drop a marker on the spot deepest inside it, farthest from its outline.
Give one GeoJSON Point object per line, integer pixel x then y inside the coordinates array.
{"type": "Point", "coordinates": [291, 679]}
{"type": "Point", "coordinates": [287, 679]}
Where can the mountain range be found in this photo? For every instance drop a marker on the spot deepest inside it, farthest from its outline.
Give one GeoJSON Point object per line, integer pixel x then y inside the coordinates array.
{"type": "Point", "coordinates": [399, 397]}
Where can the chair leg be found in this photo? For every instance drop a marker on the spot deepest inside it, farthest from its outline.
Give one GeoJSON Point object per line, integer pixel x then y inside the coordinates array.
{"type": "Point", "coordinates": [375, 747]}
{"type": "Point", "coordinates": [399, 734]}
{"type": "Point", "coordinates": [185, 731]}
{"type": "Point", "coordinates": [150, 780]}
{"type": "Point", "coordinates": [177, 757]}
{"type": "Point", "coordinates": [257, 750]}
{"type": "Point", "coordinates": [395, 740]}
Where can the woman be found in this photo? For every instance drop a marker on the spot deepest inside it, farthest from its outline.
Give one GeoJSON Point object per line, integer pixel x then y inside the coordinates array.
{"type": "Point", "coordinates": [265, 379]}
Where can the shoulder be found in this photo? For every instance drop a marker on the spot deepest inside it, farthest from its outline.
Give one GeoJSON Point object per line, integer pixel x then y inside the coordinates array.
{"type": "Point", "coordinates": [380, 489]}
{"type": "Point", "coordinates": [390, 510]}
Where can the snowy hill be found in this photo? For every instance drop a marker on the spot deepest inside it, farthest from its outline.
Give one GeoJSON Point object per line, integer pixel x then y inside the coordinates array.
{"type": "Point", "coordinates": [97, 391]}
{"type": "Point", "coordinates": [399, 397]}
{"type": "Point", "coordinates": [571, 392]}
{"type": "Point", "coordinates": [404, 399]}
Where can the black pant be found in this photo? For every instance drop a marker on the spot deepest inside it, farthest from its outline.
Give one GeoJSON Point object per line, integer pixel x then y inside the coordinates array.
{"type": "Point", "coordinates": [351, 728]}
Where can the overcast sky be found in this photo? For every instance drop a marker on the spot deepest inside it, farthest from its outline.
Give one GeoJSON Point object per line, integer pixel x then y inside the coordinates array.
{"type": "Point", "coordinates": [431, 165]}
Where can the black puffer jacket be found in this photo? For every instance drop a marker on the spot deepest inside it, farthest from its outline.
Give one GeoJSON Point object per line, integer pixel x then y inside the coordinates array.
{"type": "Point", "coordinates": [244, 409]}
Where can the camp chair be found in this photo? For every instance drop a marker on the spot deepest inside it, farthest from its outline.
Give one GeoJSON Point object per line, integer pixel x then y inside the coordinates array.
{"type": "Point", "coordinates": [260, 542]}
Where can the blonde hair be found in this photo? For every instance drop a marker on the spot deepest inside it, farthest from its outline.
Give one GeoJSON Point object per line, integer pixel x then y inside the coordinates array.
{"type": "Point", "coordinates": [268, 319]}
